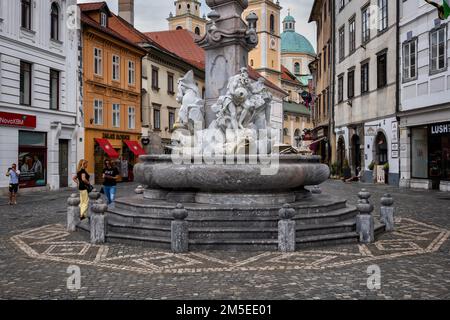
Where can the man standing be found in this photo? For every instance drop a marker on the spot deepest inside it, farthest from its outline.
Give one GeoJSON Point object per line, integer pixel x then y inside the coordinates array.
{"type": "Point", "coordinates": [110, 176]}
{"type": "Point", "coordinates": [13, 175]}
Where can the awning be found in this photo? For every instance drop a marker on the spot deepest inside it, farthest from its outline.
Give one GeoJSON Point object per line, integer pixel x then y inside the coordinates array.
{"type": "Point", "coordinates": [313, 145]}
{"type": "Point", "coordinates": [135, 147]}
{"type": "Point", "coordinates": [107, 147]}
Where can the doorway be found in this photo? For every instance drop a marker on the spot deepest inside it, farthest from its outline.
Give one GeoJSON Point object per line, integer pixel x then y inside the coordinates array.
{"type": "Point", "coordinates": [63, 163]}
{"type": "Point", "coordinates": [356, 154]}
{"type": "Point", "coordinates": [341, 154]}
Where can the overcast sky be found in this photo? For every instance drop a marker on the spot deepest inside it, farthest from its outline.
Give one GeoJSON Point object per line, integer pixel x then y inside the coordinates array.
{"type": "Point", "coordinates": [151, 15]}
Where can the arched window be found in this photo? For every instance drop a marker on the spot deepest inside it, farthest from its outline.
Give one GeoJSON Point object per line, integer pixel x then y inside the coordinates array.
{"type": "Point", "coordinates": [189, 6]}
{"type": "Point", "coordinates": [54, 22]}
{"type": "Point", "coordinates": [197, 31]}
{"type": "Point", "coordinates": [179, 28]}
{"type": "Point", "coordinates": [272, 23]}
{"type": "Point", "coordinates": [286, 131]}
{"type": "Point", "coordinates": [251, 63]}
{"type": "Point", "coordinates": [297, 68]}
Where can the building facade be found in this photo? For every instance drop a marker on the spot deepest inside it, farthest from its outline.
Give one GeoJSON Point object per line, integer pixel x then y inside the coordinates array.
{"type": "Point", "coordinates": [111, 91]}
{"type": "Point", "coordinates": [366, 126]}
{"type": "Point", "coordinates": [188, 17]}
{"type": "Point", "coordinates": [424, 77]}
{"type": "Point", "coordinates": [38, 93]}
{"type": "Point", "coordinates": [322, 14]}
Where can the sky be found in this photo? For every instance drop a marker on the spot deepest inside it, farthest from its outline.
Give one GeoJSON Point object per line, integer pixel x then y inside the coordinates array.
{"type": "Point", "coordinates": [151, 15]}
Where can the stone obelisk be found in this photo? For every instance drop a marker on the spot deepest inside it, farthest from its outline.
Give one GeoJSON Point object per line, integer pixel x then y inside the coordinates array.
{"type": "Point", "coordinates": [227, 41]}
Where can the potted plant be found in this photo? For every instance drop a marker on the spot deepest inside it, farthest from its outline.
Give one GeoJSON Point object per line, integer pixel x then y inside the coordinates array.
{"type": "Point", "coordinates": [386, 172]}
{"type": "Point", "coordinates": [372, 166]}
{"type": "Point", "coordinates": [334, 170]}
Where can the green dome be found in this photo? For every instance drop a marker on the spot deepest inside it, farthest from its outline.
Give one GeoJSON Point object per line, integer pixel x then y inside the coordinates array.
{"type": "Point", "coordinates": [289, 19]}
{"type": "Point", "coordinates": [293, 42]}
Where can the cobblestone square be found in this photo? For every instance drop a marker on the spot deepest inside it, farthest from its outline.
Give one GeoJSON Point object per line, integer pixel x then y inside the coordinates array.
{"type": "Point", "coordinates": [36, 252]}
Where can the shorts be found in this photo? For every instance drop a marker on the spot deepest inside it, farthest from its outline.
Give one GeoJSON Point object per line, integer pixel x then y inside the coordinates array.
{"type": "Point", "coordinates": [13, 188]}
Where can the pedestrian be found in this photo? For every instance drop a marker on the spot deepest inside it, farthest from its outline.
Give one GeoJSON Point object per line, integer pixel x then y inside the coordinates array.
{"type": "Point", "coordinates": [14, 176]}
{"type": "Point", "coordinates": [357, 177]}
{"type": "Point", "coordinates": [84, 186]}
{"type": "Point", "coordinates": [110, 176]}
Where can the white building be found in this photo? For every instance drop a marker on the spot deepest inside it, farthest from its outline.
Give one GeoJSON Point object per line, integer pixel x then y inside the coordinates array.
{"type": "Point", "coordinates": [425, 97]}
{"type": "Point", "coordinates": [38, 95]}
{"type": "Point", "coordinates": [366, 126]}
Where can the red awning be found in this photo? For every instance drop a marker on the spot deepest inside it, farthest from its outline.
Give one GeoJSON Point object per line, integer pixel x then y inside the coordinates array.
{"type": "Point", "coordinates": [135, 147]}
{"type": "Point", "coordinates": [108, 148]}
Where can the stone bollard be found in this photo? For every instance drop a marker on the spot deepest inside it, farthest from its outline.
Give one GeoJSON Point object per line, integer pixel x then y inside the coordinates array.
{"type": "Point", "coordinates": [387, 212]}
{"type": "Point", "coordinates": [139, 190]}
{"type": "Point", "coordinates": [365, 223]}
{"type": "Point", "coordinates": [98, 221]}
{"type": "Point", "coordinates": [179, 230]}
{"type": "Point", "coordinates": [286, 229]}
{"type": "Point", "coordinates": [73, 212]}
{"type": "Point", "coordinates": [94, 195]}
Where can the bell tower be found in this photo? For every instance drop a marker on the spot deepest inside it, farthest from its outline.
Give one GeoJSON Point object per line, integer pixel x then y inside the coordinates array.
{"type": "Point", "coordinates": [266, 57]}
{"type": "Point", "coordinates": [187, 16]}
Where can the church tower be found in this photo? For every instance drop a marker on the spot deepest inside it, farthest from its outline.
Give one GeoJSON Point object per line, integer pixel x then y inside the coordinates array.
{"type": "Point", "coordinates": [187, 16]}
{"type": "Point", "coordinates": [266, 57]}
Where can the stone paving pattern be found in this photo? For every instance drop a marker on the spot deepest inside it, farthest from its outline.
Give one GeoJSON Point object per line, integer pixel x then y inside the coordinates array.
{"type": "Point", "coordinates": [35, 253]}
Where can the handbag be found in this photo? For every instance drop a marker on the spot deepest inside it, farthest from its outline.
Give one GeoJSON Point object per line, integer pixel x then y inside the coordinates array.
{"type": "Point", "coordinates": [89, 188]}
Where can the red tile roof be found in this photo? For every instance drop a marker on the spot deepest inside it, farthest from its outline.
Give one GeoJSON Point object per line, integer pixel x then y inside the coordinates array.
{"type": "Point", "coordinates": [92, 6]}
{"type": "Point", "coordinates": [288, 76]}
{"type": "Point", "coordinates": [182, 43]}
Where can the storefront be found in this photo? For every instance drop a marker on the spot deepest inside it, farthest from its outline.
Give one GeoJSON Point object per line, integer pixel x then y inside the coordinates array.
{"type": "Point", "coordinates": [430, 154]}
{"type": "Point", "coordinates": [320, 146]}
{"type": "Point", "coordinates": [123, 149]}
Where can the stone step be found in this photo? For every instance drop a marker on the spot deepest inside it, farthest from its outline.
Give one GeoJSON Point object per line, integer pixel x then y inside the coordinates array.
{"type": "Point", "coordinates": [152, 242]}
{"type": "Point", "coordinates": [326, 239]}
{"type": "Point", "coordinates": [122, 217]}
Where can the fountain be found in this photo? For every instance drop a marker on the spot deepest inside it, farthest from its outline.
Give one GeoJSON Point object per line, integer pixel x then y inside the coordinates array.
{"type": "Point", "coordinates": [224, 170]}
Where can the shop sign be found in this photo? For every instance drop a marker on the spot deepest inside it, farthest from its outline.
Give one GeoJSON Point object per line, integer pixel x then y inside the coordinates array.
{"type": "Point", "coordinates": [17, 120]}
{"type": "Point", "coordinates": [438, 129]}
{"type": "Point", "coordinates": [394, 132]}
{"type": "Point", "coordinates": [115, 136]}
{"type": "Point", "coordinates": [320, 133]}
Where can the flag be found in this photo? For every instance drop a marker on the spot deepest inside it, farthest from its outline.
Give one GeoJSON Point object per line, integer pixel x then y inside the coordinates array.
{"type": "Point", "coordinates": [446, 5]}
{"type": "Point", "coordinates": [443, 10]}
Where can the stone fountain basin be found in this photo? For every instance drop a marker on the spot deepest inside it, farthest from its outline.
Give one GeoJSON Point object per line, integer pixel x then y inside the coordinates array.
{"type": "Point", "coordinates": [294, 171]}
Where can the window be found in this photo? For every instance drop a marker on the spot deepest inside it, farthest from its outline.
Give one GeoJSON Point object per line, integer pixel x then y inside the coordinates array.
{"type": "Point", "coordinates": [116, 115]}
{"type": "Point", "coordinates": [156, 119]}
{"type": "Point", "coordinates": [155, 78]}
{"type": "Point", "coordinates": [410, 60]}
{"type": "Point", "coordinates": [365, 77]}
{"type": "Point", "coordinates": [131, 73]}
{"type": "Point", "coordinates": [98, 112]}
{"type": "Point", "coordinates": [170, 88]}
{"type": "Point", "coordinates": [54, 90]}
{"type": "Point", "coordinates": [383, 14]}
{"type": "Point", "coordinates": [351, 84]}
{"type": "Point", "coordinates": [272, 23]}
{"type": "Point", "coordinates": [197, 31]}
{"type": "Point", "coordinates": [131, 118]}
{"type": "Point", "coordinates": [340, 88]}
{"type": "Point", "coordinates": [54, 22]}
{"type": "Point", "coordinates": [365, 25]}
{"type": "Point", "coordinates": [438, 46]}
{"type": "Point", "coordinates": [103, 19]}
{"type": "Point", "coordinates": [297, 68]}
{"type": "Point", "coordinates": [382, 70]}
{"type": "Point", "coordinates": [342, 43]}
{"type": "Point", "coordinates": [352, 35]}
{"type": "Point", "coordinates": [341, 4]}
{"type": "Point", "coordinates": [98, 66]}
{"type": "Point", "coordinates": [116, 68]}
{"type": "Point", "coordinates": [25, 83]}
{"type": "Point", "coordinates": [171, 119]}
{"type": "Point", "coordinates": [324, 59]}
{"type": "Point", "coordinates": [26, 14]}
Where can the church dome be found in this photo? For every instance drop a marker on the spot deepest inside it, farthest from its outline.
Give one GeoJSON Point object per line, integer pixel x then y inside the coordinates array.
{"type": "Point", "coordinates": [294, 42]}
{"type": "Point", "coordinates": [289, 18]}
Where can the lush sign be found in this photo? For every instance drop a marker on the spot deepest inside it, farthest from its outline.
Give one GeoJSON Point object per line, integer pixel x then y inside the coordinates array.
{"type": "Point", "coordinates": [438, 129]}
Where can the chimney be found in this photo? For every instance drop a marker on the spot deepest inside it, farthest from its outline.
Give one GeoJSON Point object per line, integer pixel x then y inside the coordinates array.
{"type": "Point", "coordinates": [126, 10]}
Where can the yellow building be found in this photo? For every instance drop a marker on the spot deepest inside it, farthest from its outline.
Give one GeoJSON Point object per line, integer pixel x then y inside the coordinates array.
{"type": "Point", "coordinates": [111, 91]}
{"type": "Point", "coordinates": [187, 16]}
{"type": "Point", "coordinates": [266, 57]}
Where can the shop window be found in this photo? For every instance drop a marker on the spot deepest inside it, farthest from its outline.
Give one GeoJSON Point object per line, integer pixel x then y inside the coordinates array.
{"type": "Point", "coordinates": [419, 153]}
{"type": "Point", "coordinates": [32, 159]}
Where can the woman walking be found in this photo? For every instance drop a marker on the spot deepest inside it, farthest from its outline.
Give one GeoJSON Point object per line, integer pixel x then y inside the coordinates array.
{"type": "Point", "coordinates": [84, 186]}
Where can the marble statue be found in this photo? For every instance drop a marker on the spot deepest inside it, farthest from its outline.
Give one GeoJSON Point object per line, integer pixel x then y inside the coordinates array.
{"type": "Point", "coordinates": [192, 106]}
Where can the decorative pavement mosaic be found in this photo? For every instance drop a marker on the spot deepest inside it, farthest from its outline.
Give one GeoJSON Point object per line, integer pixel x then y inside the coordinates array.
{"type": "Point", "coordinates": [54, 243]}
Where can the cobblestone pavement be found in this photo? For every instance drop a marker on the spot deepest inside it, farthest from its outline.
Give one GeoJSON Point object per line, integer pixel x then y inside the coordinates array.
{"type": "Point", "coordinates": [36, 251]}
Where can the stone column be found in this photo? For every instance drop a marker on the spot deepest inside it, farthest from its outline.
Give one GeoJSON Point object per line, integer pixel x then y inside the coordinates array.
{"type": "Point", "coordinates": [179, 230]}
{"type": "Point", "coordinates": [365, 223]}
{"type": "Point", "coordinates": [227, 42]}
{"type": "Point", "coordinates": [98, 221]}
{"type": "Point", "coordinates": [286, 229]}
{"type": "Point", "coordinates": [387, 212]}
{"type": "Point", "coordinates": [73, 212]}
{"type": "Point", "coordinates": [94, 195]}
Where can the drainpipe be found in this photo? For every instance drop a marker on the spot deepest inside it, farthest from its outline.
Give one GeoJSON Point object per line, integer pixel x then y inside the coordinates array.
{"type": "Point", "coordinates": [397, 84]}
{"type": "Point", "coordinates": [333, 67]}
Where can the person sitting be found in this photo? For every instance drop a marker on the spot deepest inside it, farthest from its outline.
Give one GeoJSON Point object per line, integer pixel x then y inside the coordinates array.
{"type": "Point", "coordinates": [355, 178]}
